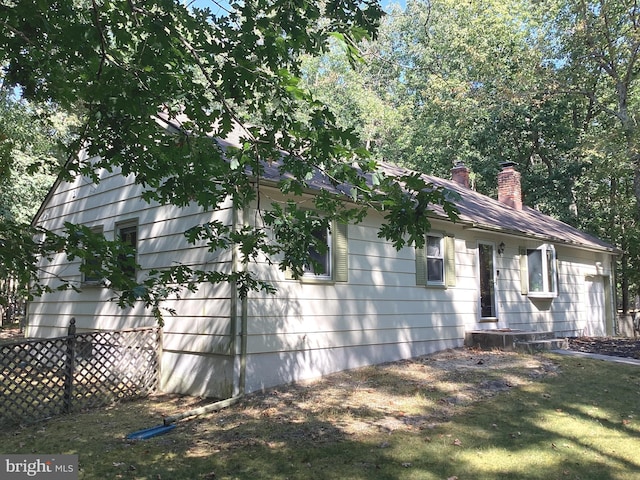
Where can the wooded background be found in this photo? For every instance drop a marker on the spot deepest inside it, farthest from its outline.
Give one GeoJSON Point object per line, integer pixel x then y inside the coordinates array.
{"type": "Point", "coordinates": [549, 84]}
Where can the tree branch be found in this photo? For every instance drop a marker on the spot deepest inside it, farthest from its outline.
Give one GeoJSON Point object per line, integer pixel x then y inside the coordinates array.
{"type": "Point", "coordinates": [103, 46]}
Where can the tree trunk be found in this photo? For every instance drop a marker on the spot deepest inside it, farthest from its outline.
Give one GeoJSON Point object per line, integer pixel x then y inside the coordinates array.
{"type": "Point", "coordinates": [624, 283]}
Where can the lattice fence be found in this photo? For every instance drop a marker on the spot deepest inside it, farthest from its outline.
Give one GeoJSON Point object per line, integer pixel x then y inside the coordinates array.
{"type": "Point", "coordinates": [43, 378]}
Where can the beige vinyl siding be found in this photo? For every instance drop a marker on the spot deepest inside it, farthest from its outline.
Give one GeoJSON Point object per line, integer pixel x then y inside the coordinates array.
{"type": "Point", "coordinates": [380, 320]}
{"type": "Point", "coordinates": [379, 309]}
{"type": "Point", "coordinates": [381, 313]}
{"type": "Point", "coordinates": [201, 330]}
{"type": "Point", "coordinates": [307, 329]}
{"type": "Point", "coordinates": [201, 375]}
{"type": "Point", "coordinates": [565, 314]}
{"type": "Point", "coordinates": [395, 334]}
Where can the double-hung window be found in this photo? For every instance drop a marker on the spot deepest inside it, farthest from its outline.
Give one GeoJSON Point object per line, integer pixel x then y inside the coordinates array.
{"type": "Point", "coordinates": [92, 265]}
{"type": "Point", "coordinates": [330, 259]}
{"type": "Point", "coordinates": [321, 265]}
{"type": "Point", "coordinates": [435, 259]}
{"type": "Point", "coordinates": [435, 263]}
{"type": "Point", "coordinates": [538, 271]}
{"type": "Point", "coordinates": [128, 234]}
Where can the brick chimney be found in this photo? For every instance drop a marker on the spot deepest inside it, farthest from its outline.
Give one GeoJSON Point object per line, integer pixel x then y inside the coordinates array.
{"type": "Point", "coordinates": [509, 190]}
{"type": "Point", "coordinates": [460, 174]}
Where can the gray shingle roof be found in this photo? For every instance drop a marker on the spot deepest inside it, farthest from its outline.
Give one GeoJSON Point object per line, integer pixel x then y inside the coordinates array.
{"type": "Point", "coordinates": [486, 213]}
{"type": "Point", "coordinates": [475, 209]}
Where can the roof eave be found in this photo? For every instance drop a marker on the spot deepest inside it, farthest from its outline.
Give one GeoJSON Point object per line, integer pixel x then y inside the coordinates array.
{"type": "Point", "coordinates": [547, 238]}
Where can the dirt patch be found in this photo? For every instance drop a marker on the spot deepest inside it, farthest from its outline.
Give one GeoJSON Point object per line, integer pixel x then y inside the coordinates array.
{"type": "Point", "coordinates": [420, 393]}
{"type": "Point", "coordinates": [616, 347]}
{"type": "Point", "coordinates": [408, 395]}
{"type": "Point", "coordinates": [10, 333]}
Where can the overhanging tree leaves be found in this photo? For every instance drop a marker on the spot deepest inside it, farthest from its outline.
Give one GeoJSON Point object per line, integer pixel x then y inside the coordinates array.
{"type": "Point", "coordinates": [30, 140]}
{"type": "Point", "coordinates": [549, 85]}
{"type": "Point", "coordinates": [597, 55]}
{"type": "Point", "coordinates": [152, 80]}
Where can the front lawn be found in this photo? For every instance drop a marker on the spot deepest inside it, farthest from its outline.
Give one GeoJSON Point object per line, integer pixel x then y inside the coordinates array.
{"type": "Point", "coordinates": [457, 414]}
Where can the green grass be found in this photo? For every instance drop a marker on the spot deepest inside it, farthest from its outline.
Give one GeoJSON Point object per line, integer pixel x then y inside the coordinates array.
{"type": "Point", "coordinates": [579, 422]}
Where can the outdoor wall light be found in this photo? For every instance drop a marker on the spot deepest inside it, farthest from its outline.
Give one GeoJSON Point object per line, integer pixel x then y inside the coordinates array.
{"type": "Point", "coordinates": [501, 248]}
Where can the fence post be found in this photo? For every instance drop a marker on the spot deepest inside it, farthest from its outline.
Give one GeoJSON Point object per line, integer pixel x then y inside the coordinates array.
{"type": "Point", "coordinates": [70, 365]}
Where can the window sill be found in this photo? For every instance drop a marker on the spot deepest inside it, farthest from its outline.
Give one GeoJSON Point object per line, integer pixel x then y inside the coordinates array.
{"type": "Point", "coordinates": [317, 280]}
{"type": "Point", "coordinates": [542, 294]}
{"type": "Point", "coordinates": [488, 320]}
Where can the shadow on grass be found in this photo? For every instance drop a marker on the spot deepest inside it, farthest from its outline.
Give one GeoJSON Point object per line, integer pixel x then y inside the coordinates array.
{"type": "Point", "coordinates": [579, 424]}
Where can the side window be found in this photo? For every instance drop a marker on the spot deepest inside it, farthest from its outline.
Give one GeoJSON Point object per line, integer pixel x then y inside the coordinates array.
{"type": "Point", "coordinates": [332, 262]}
{"type": "Point", "coordinates": [322, 257]}
{"type": "Point", "coordinates": [538, 271]}
{"type": "Point", "coordinates": [435, 260]}
{"type": "Point", "coordinates": [435, 263]}
{"type": "Point", "coordinates": [91, 267]}
{"type": "Point", "coordinates": [128, 234]}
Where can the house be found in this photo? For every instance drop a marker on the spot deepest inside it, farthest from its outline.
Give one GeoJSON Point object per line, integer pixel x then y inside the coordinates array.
{"type": "Point", "coordinates": [503, 265]}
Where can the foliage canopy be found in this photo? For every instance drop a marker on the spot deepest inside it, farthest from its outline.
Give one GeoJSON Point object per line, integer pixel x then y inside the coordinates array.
{"type": "Point", "coordinates": [118, 64]}
{"type": "Point", "coordinates": [549, 85]}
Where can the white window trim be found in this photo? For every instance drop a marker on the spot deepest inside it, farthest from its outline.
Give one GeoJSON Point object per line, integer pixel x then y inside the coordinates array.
{"type": "Point", "coordinates": [338, 238]}
{"type": "Point", "coordinates": [442, 258]}
{"type": "Point", "coordinates": [546, 292]}
{"type": "Point", "coordinates": [449, 264]}
{"type": "Point", "coordinates": [328, 275]}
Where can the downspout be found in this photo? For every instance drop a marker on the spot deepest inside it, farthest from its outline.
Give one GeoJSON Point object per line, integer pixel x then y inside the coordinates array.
{"type": "Point", "coordinates": [243, 315]}
{"type": "Point", "coordinates": [219, 405]}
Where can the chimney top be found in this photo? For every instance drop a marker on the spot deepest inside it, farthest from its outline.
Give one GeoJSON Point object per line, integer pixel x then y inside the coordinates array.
{"type": "Point", "coordinates": [509, 188]}
{"type": "Point", "coordinates": [508, 164]}
{"type": "Point", "coordinates": [460, 174]}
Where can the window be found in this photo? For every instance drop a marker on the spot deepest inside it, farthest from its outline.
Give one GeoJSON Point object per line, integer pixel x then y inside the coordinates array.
{"type": "Point", "coordinates": [538, 271]}
{"type": "Point", "coordinates": [128, 234]}
{"type": "Point", "coordinates": [332, 262]}
{"type": "Point", "coordinates": [435, 263]}
{"type": "Point", "coordinates": [91, 268]}
{"type": "Point", "coordinates": [322, 259]}
{"type": "Point", "coordinates": [435, 260]}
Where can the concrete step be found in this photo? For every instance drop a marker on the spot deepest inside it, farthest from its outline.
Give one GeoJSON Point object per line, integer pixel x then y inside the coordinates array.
{"type": "Point", "coordinates": [535, 346]}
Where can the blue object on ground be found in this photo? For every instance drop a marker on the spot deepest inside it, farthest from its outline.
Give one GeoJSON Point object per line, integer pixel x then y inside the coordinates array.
{"type": "Point", "coordinates": [150, 432]}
